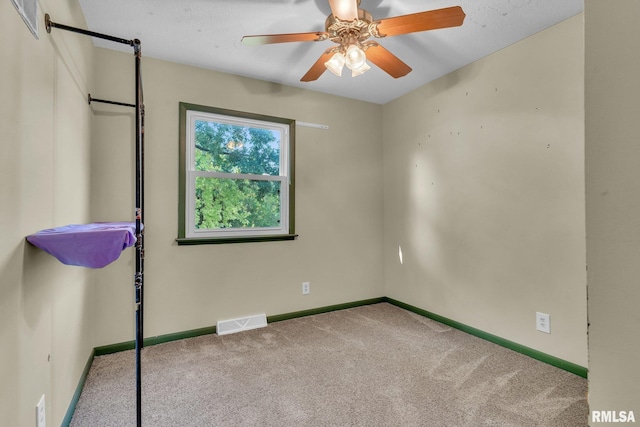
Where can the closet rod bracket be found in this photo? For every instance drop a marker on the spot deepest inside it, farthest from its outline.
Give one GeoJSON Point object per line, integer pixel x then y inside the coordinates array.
{"type": "Point", "coordinates": [137, 47]}
{"type": "Point", "coordinates": [47, 22]}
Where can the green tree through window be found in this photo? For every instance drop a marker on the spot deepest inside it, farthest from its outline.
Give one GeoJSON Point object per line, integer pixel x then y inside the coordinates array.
{"type": "Point", "coordinates": [237, 174]}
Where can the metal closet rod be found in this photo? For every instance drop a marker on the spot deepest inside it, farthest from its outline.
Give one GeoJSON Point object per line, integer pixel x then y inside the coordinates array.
{"type": "Point", "coordinates": [50, 24]}
{"type": "Point", "coordinates": [135, 43]}
{"type": "Point", "coordinates": [104, 101]}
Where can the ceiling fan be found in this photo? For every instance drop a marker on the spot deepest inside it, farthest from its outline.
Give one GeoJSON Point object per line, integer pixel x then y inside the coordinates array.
{"type": "Point", "coordinates": [350, 27]}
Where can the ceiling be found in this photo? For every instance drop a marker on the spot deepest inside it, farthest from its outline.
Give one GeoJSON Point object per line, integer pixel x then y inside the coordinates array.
{"type": "Point", "coordinates": [207, 34]}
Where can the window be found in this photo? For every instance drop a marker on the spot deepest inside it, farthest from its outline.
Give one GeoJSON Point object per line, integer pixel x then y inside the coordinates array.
{"type": "Point", "coordinates": [236, 176]}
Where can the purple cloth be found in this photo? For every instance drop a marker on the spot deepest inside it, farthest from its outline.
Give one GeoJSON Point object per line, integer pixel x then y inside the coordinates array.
{"type": "Point", "coordinates": [87, 245]}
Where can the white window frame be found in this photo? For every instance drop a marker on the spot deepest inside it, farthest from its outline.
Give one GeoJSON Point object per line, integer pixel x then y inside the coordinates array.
{"type": "Point", "coordinates": [284, 128]}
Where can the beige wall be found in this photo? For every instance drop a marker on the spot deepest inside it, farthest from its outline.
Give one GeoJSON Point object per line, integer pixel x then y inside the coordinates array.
{"type": "Point", "coordinates": [338, 205]}
{"type": "Point", "coordinates": [612, 67]}
{"type": "Point", "coordinates": [484, 194]}
{"type": "Point", "coordinates": [44, 182]}
{"type": "Point", "coordinates": [483, 179]}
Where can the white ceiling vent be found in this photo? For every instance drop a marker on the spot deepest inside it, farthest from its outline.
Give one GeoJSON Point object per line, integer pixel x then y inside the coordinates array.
{"type": "Point", "coordinates": [28, 10]}
{"type": "Point", "coordinates": [231, 326]}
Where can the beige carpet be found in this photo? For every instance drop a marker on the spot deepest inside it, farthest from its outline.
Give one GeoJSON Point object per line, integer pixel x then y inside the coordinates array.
{"type": "Point", "coordinates": [375, 365]}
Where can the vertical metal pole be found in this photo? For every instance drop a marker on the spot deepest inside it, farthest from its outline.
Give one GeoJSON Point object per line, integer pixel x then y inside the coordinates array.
{"type": "Point", "coordinates": [139, 243]}
{"type": "Point", "coordinates": [141, 134]}
{"type": "Point", "coordinates": [138, 279]}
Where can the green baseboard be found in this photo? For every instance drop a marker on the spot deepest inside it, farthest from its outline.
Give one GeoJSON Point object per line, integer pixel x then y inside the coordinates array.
{"type": "Point", "coordinates": [538, 355]}
{"type": "Point", "coordinates": [114, 348]}
{"type": "Point", "coordinates": [159, 339]}
{"type": "Point", "coordinates": [66, 421]}
{"type": "Point", "coordinates": [320, 310]}
{"type": "Point", "coordinates": [130, 345]}
{"type": "Point", "coordinates": [535, 354]}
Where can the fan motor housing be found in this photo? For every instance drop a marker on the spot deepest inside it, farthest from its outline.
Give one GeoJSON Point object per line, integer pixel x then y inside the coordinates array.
{"type": "Point", "coordinates": [359, 29]}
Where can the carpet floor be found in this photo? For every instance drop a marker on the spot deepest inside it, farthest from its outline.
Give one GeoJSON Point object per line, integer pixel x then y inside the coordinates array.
{"type": "Point", "coordinates": [375, 365]}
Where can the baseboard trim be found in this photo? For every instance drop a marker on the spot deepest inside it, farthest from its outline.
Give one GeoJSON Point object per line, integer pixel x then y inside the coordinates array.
{"type": "Point", "coordinates": [66, 421]}
{"type": "Point", "coordinates": [320, 310]}
{"type": "Point", "coordinates": [528, 351]}
{"type": "Point", "coordinates": [159, 339]}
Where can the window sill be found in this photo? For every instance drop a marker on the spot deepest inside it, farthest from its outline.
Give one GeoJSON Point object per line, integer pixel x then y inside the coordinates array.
{"type": "Point", "coordinates": [184, 241]}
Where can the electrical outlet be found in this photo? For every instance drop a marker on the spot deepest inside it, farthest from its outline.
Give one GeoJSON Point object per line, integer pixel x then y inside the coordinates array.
{"type": "Point", "coordinates": [543, 322]}
{"type": "Point", "coordinates": [41, 412]}
{"type": "Point", "coordinates": [306, 288]}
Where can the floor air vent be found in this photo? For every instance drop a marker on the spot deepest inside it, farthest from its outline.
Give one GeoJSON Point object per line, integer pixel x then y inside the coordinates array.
{"type": "Point", "coordinates": [231, 326]}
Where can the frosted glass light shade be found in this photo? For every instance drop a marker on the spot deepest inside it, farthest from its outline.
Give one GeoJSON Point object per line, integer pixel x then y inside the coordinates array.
{"type": "Point", "coordinates": [335, 64]}
{"type": "Point", "coordinates": [355, 57]}
{"type": "Point", "coordinates": [360, 70]}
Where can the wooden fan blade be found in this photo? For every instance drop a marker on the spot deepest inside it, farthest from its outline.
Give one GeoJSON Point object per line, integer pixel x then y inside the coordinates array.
{"type": "Point", "coordinates": [344, 10]}
{"type": "Point", "coordinates": [284, 38]}
{"type": "Point", "coordinates": [387, 61]}
{"type": "Point", "coordinates": [318, 68]}
{"type": "Point", "coordinates": [422, 21]}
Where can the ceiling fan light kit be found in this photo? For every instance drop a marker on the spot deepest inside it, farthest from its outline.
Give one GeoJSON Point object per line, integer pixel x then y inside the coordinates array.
{"type": "Point", "coordinates": [335, 64]}
{"type": "Point", "coordinates": [360, 70]}
{"type": "Point", "coordinates": [355, 57]}
{"type": "Point", "coordinates": [349, 27]}
{"type": "Point", "coordinates": [355, 60]}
